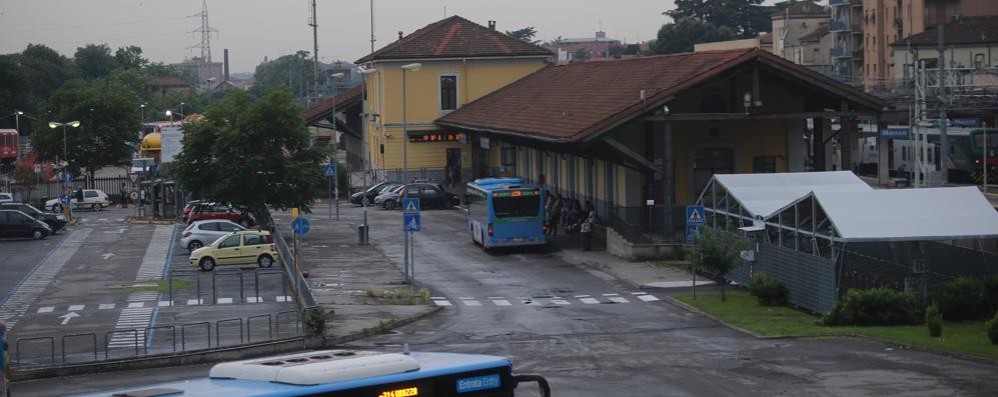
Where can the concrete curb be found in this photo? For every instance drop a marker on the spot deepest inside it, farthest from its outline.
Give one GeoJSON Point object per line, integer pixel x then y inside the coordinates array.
{"type": "Point", "coordinates": [689, 308]}
{"type": "Point", "coordinates": [392, 324]}
{"type": "Point", "coordinates": [137, 221]}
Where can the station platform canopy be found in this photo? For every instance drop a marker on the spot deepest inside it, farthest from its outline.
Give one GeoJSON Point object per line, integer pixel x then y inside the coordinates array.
{"type": "Point", "coordinates": [839, 206]}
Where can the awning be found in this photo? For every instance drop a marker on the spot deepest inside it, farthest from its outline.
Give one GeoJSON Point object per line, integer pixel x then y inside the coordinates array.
{"type": "Point", "coordinates": [763, 195]}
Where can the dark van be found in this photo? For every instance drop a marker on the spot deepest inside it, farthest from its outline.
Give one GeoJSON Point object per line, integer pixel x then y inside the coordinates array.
{"type": "Point", "coordinates": [18, 224]}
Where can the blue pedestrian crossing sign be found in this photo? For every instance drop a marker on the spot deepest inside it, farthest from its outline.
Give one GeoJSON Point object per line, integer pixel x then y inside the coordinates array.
{"type": "Point", "coordinates": [410, 215]}
{"type": "Point", "coordinates": [64, 198]}
{"type": "Point", "coordinates": [67, 176]}
{"type": "Point", "coordinates": [301, 226]}
{"type": "Point", "coordinates": [695, 217]}
{"type": "Point", "coordinates": [329, 170]}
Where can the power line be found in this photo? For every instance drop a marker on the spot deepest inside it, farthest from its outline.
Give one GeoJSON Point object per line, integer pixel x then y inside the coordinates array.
{"type": "Point", "coordinates": [62, 28]}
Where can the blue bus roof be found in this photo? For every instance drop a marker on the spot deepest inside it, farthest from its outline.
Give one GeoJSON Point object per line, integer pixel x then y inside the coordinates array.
{"type": "Point", "coordinates": [492, 184]}
{"type": "Point", "coordinates": [430, 365]}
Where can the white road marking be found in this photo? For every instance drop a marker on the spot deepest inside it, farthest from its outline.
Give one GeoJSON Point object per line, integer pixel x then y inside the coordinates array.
{"type": "Point", "coordinates": [224, 301]}
{"type": "Point", "coordinates": [106, 306]}
{"type": "Point", "coordinates": [76, 308]}
{"type": "Point", "coordinates": [647, 298]}
{"type": "Point", "coordinates": [501, 302]}
{"type": "Point", "coordinates": [165, 303]}
{"type": "Point", "coordinates": [618, 299]}
{"type": "Point", "coordinates": [284, 298]}
{"type": "Point", "coordinates": [253, 299]}
{"type": "Point", "coordinates": [154, 260]}
{"type": "Point", "coordinates": [441, 303]}
{"type": "Point", "coordinates": [471, 302]}
{"type": "Point", "coordinates": [134, 305]}
{"type": "Point", "coordinates": [194, 302]}
{"type": "Point", "coordinates": [589, 301]}
{"type": "Point", "coordinates": [46, 309]}
{"type": "Point", "coordinates": [611, 294]}
{"type": "Point", "coordinates": [560, 302]}
{"type": "Point", "coordinates": [68, 316]}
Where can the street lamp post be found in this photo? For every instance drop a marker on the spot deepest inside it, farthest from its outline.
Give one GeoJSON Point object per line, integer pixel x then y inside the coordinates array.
{"type": "Point", "coordinates": [65, 157]}
{"type": "Point", "coordinates": [142, 114]}
{"type": "Point", "coordinates": [181, 110]}
{"type": "Point", "coordinates": [367, 162]}
{"type": "Point", "coordinates": [335, 182]}
{"type": "Point", "coordinates": [412, 67]}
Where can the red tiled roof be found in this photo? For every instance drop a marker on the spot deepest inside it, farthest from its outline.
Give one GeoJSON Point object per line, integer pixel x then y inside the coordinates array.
{"type": "Point", "coordinates": [455, 37]}
{"type": "Point", "coordinates": [569, 103]}
{"type": "Point", "coordinates": [801, 9]}
{"type": "Point", "coordinates": [322, 109]}
{"type": "Point", "coordinates": [766, 38]}
{"type": "Point", "coordinates": [817, 34]}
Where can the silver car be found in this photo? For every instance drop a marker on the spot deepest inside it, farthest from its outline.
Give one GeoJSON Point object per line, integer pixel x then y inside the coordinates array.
{"type": "Point", "coordinates": [388, 198]}
{"type": "Point", "coordinates": [204, 232]}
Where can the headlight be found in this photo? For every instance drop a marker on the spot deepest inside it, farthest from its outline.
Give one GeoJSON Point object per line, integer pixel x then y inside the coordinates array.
{"type": "Point", "coordinates": [60, 217]}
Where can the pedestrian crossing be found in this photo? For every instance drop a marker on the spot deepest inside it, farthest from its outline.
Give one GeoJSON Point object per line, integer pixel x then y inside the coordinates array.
{"type": "Point", "coordinates": [139, 304]}
{"type": "Point", "coordinates": [581, 299]}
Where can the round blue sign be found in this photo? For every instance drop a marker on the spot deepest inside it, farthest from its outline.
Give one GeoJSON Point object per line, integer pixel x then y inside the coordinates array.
{"type": "Point", "coordinates": [64, 198]}
{"type": "Point", "coordinates": [300, 226]}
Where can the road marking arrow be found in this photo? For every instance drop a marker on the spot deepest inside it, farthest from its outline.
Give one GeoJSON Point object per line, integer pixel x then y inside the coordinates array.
{"type": "Point", "coordinates": [68, 316]}
{"type": "Point", "coordinates": [107, 255]}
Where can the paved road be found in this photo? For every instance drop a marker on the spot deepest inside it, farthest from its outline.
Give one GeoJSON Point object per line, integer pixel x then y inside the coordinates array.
{"type": "Point", "coordinates": [590, 335]}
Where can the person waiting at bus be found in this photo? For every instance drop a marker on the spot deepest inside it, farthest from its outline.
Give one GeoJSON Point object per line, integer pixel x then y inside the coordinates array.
{"type": "Point", "coordinates": [554, 215]}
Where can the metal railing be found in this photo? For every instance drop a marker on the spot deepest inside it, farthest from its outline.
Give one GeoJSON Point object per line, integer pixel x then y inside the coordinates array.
{"type": "Point", "coordinates": [216, 282]}
{"type": "Point", "coordinates": [302, 293]}
{"type": "Point", "coordinates": [78, 348]}
{"type": "Point", "coordinates": [643, 224]}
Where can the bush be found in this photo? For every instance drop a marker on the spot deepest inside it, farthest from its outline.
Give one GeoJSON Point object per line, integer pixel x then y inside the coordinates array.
{"type": "Point", "coordinates": [768, 291]}
{"type": "Point", "coordinates": [877, 306]}
{"type": "Point", "coordinates": [934, 320]}
{"type": "Point", "coordinates": [961, 299]}
{"type": "Point", "coordinates": [992, 327]}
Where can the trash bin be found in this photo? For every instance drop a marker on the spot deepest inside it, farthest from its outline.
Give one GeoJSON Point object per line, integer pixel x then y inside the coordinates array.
{"type": "Point", "coordinates": [362, 234]}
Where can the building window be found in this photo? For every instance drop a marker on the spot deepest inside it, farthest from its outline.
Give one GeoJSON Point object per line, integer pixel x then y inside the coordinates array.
{"type": "Point", "coordinates": [508, 160]}
{"type": "Point", "coordinates": [764, 164]}
{"type": "Point", "coordinates": [448, 92]}
{"type": "Point", "coordinates": [710, 161]}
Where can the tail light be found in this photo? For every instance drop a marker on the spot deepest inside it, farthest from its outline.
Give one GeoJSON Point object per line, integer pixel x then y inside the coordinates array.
{"type": "Point", "coordinates": [188, 234]}
{"type": "Point", "coordinates": [491, 231]}
{"type": "Point", "coordinates": [273, 248]}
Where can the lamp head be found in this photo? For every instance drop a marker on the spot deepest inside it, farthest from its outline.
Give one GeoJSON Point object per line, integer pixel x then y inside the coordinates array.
{"type": "Point", "coordinates": [368, 71]}
{"type": "Point", "coordinates": [74, 124]}
{"type": "Point", "coordinates": [53, 124]}
{"type": "Point", "coordinates": [337, 76]}
{"type": "Point", "coordinates": [169, 113]}
{"type": "Point", "coordinates": [412, 67]}
{"type": "Point", "coordinates": [19, 113]}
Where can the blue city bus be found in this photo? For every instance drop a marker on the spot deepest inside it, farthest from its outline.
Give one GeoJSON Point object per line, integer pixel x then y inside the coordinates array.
{"type": "Point", "coordinates": [351, 373]}
{"type": "Point", "coordinates": [505, 212]}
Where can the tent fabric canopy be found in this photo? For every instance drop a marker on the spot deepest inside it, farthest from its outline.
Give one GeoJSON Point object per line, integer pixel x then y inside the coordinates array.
{"type": "Point", "coordinates": [949, 213]}
{"type": "Point", "coordinates": [860, 213]}
{"type": "Point", "coordinates": [763, 195]}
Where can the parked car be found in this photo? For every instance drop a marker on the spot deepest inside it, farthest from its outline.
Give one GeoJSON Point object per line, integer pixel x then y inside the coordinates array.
{"type": "Point", "coordinates": [94, 199]}
{"type": "Point", "coordinates": [388, 197]}
{"type": "Point", "coordinates": [204, 232]}
{"type": "Point", "coordinates": [204, 211]}
{"type": "Point", "coordinates": [430, 196]}
{"type": "Point", "coordinates": [6, 198]}
{"type": "Point", "coordinates": [190, 206]}
{"type": "Point", "coordinates": [18, 224]}
{"type": "Point", "coordinates": [236, 248]}
{"type": "Point", "coordinates": [55, 221]}
{"type": "Point", "coordinates": [372, 192]}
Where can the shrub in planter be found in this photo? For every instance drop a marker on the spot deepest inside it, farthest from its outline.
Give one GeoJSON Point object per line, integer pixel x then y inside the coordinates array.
{"type": "Point", "coordinates": [876, 306]}
{"type": "Point", "coordinates": [992, 327]}
{"type": "Point", "coordinates": [768, 291]}
{"type": "Point", "coordinates": [934, 320]}
{"type": "Point", "coordinates": [962, 299]}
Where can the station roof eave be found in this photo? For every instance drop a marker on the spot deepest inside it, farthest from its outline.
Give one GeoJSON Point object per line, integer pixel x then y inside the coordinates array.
{"type": "Point", "coordinates": [550, 105]}
{"type": "Point", "coordinates": [320, 111]}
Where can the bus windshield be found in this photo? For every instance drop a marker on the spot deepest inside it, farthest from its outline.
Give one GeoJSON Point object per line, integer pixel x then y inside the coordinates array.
{"type": "Point", "coordinates": [516, 203]}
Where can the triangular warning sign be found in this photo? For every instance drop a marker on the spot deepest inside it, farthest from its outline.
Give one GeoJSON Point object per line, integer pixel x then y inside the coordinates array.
{"type": "Point", "coordinates": [413, 224]}
{"type": "Point", "coordinates": [411, 208]}
{"type": "Point", "coordinates": [695, 217]}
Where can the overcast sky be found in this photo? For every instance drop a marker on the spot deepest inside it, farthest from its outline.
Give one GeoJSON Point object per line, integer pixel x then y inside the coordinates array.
{"type": "Point", "coordinates": [254, 29]}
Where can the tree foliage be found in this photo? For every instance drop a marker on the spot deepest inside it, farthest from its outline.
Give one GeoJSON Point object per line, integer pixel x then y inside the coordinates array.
{"type": "Point", "coordinates": [251, 152]}
{"type": "Point", "coordinates": [715, 253]}
{"type": "Point", "coordinates": [684, 33]}
{"type": "Point", "coordinates": [580, 55]}
{"type": "Point", "coordinates": [130, 58]}
{"type": "Point", "coordinates": [109, 122]}
{"type": "Point", "coordinates": [292, 71]}
{"type": "Point", "coordinates": [526, 34]}
{"type": "Point", "coordinates": [95, 61]}
{"type": "Point", "coordinates": [745, 18]}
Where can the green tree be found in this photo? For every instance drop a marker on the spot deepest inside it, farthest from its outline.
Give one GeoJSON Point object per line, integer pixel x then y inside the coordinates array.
{"type": "Point", "coordinates": [580, 55]}
{"type": "Point", "coordinates": [526, 34]}
{"type": "Point", "coordinates": [95, 61]}
{"type": "Point", "coordinates": [253, 153]}
{"type": "Point", "coordinates": [291, 71]}
{"type": "Point", "coordinates": [130, 58]}
{"type": "Point", "coordinates": [746, 18]}
{"type": "Point", "coordinates": [714, 253]}
{"type": "Point", "coordinates": [109, 125]}
{"type": "Point", "coordinates": [683, 34]}
{"type": "Point", "coordinates": [24, 175]}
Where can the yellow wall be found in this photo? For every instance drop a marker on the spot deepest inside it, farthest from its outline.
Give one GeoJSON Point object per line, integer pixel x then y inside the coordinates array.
{"type": "Point", "coordinates": [476, 78]}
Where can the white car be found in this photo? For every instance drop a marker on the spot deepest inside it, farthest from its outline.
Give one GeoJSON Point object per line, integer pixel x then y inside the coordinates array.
{"type": "Point", "coordinates": [6, 198]}
{"type": "Point", "coordinates": [94, 199]}
{"type": "Point", "coordinates": [204, 232]}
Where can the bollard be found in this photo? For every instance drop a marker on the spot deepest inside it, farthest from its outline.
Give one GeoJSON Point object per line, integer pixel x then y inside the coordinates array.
{"type": "Point", "coordinates": [362, 235]}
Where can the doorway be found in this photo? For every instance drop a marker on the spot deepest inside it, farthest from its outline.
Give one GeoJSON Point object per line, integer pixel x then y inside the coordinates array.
{"type": "Point", "coordinates": [452, 173]}
{"type": "Point", "coordinates": [710, 161]}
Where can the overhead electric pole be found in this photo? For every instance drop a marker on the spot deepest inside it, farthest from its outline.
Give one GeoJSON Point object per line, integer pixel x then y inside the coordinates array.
{"type": "Point", "coordinates": [372, 26]}
{"type": "Point", "coordinates": [314, 23]}
{"type": "Point", "coordinates": [943, 137]}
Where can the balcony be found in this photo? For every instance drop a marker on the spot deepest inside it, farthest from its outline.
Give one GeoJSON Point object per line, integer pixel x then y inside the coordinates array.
{"type": "Point", "coordinates": [840, 52]}
{"type": "Point", "coordinates": [838, 25]}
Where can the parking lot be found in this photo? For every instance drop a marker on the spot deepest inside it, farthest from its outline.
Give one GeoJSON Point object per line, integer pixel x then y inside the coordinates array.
{"type": "Point", "coordinates": [107, 287]}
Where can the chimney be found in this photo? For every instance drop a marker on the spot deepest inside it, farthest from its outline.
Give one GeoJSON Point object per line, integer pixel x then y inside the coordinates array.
{"type": "Point", "coordinates": [492, 25]}
{"type": "Point", "coordinates": [225, 64]}
{"type": "Point", "coordinates": [400, 35]}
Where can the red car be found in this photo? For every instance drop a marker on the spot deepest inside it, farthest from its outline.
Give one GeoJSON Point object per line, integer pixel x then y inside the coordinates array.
{"type": "Point", "coordinates": [203, 211]}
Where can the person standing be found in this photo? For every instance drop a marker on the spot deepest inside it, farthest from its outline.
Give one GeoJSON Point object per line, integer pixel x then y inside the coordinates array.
{"type": "Point", "coordinates": [124, 195]}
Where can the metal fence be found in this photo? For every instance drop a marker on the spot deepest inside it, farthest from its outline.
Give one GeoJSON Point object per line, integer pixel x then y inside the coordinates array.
{"type": "Point", "coordinates": [53, 350]}
{"type": "Point", "coordinates": [302, 293]}
{"type": "Point", "coordinates": [48, 190]}
{"type": "Point", "coordinates": [810, 279]}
